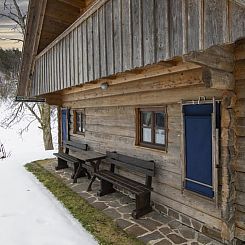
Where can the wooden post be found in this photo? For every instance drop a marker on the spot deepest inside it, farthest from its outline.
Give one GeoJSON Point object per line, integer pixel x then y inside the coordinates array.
{"type": "Point", "coordinates": [60, 149]}
{"type": "Point", "coordinates": [228, 154]}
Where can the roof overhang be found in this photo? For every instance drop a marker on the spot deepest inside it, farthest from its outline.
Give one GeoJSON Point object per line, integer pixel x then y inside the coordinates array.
{"type": "Point", "coordinates": [46, 20]}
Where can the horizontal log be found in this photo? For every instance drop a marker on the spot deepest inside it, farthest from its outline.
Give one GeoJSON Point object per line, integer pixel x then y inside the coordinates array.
{"type": "Point", "coordinates": [147, 98]}
{"type": "Point", "coordinates": [215, 57]}
{"type": "Point", "coordinates": [239, 71]}
{"type": "Point", "coordinates": [240, 233]}
{"type": "Point", "coordinates": [218, 79]}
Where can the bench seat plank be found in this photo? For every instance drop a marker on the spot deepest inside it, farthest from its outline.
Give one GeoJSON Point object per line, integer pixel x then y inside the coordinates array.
{"type": "Point", "coordinates": [122, 181]}
{"type": "Point", "coordinates": [67, 157]}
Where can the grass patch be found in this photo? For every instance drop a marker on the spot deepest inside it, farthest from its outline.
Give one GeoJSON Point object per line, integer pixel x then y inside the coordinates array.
{"type": "Point", "coordinates": [93, 220]}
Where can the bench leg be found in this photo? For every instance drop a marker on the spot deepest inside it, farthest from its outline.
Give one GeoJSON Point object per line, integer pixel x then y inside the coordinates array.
{"type": "Point", "coordinates": [61, 164]}
{"type": "Point", "coordinates": [79, 171]}
{"type": "Point", "coordinates": [143, 205]}
{"type": "Point", "coordinates": [106, 188]}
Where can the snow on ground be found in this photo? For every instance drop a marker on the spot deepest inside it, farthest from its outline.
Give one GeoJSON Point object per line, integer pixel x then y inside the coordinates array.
{"type": "Point", "coordinates": [29, 214]}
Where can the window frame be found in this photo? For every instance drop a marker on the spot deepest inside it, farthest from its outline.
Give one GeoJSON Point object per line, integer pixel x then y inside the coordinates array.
{"type": "Point", "coordinates": [83, 117]}
{"type": "Point", "coordinates": [139, 127]}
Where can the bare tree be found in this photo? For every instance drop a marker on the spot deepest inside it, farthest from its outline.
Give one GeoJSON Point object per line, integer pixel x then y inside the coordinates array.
{"type": "Point", "coordinates": [37, 111]}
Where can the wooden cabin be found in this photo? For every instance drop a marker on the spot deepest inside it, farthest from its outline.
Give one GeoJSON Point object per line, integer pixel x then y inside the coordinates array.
{"type": "Point", "coordinates": [160, 80]}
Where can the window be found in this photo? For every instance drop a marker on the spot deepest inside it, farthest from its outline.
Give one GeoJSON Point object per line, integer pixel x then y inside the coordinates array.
{"type": "Point", "coordinates": [79, 122]}
{"type": "Point", "coordinates": [151, 127]}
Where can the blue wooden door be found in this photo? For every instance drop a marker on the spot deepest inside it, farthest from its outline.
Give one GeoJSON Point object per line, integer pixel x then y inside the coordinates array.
{"type": "Point", "coordinates": [198, 148]}
{"type": "Point", "coordinates": [64, 123]}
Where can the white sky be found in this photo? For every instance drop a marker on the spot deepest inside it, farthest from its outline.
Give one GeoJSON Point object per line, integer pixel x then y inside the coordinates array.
{"type": "Point", "coordinates": [29, 213]}
{"type": "Point", "coordinates": [7, 26]}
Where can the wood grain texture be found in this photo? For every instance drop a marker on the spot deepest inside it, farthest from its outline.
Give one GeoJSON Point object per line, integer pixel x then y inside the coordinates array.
{"type": "Point", "coordinates": [121, 35]}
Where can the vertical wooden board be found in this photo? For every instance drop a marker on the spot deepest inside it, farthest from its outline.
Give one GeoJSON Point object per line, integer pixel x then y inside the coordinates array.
{"type": "Point", "coordinates": [75, 56]}
{"type": "Point", "coordinates": [85, 52]}
{"type": "Point", "coordinates": [237, 14]}
{"type": "Point", "coordinates": [72, 63]}
{"type": "Point", "coordinates": [148, 31]}
{"type": "Point", "coordinates": [117, 35]}
{"type": "Point", "coordinates": [61, 64]}
{"type": "Point", "coordinates": [109, 38]}
{"type": "Point", "coordinates": [64, 61]}
{"type": "Point", "coordinates": [90, 49]}
{"type": "Point", "coordinates": [56, 69]}
{"type": "Point", "coordinates": [68, 67]}
{"type": "Point", "coordinates": [175, 28]}
{"type": "Point", "coordinates": [48, 72]}
{"type": "Point", "coordinates": [41, 75]}
{"type": "Point", "coordinates": [215, 22]}
{"type": "Point", "coordinates": [53, 70]}
{"type": "Point", "coordinates": [102, 29]}
{"type": "Point", "coordinates": [45, 73]}
{"type": "Point", "coordinates": [96, 44]}
{"type": "Point", "coordinates": [33, 82]}
{"type": "Point", "coordinates": [162, 30]}
{"type": "Point", "coordinates": [58, 66]}
{"type": "Point", "coordinates": [137, 33]}
{"type": "Point", "coordinates": [126, 35]}
{"type": "Point", "coordinates": [194, 25]}
{"type": "Point", "coordinates": [80, 55]}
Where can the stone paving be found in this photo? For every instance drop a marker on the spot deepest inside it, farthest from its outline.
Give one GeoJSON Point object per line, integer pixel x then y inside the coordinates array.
{"type": "Point", "coordinates": [154, 228]}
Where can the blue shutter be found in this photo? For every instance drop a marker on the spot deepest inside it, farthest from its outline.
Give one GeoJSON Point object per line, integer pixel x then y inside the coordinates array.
{"type": "Point", "coordinates": [65, 124]}
{"type": "Point", "coordinates": [198, 148]}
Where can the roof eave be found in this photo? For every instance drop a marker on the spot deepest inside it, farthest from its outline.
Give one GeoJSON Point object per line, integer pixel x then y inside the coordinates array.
{"type": "Point", "coordinates": [36, 11]}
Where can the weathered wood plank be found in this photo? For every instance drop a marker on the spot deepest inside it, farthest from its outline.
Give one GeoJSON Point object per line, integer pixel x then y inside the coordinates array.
{"type": "Point", "coordinates": [194, 25]}
{"type": "Point", "coordinates": [240, 182]}
{"type": "Point", "coordinates": [80, 55]}
{"type": "Point", "coordinates": [117, 35]}
{"type": "Point", "coordinates": [61, 65]}
{"type": "Point", "coordinates": [175, 28]}
{"type": "Point", "coordinates": [162, 30]}
{"type": "Point", "coordinates": [161, 96]}
{"type": "Point", "coordinates": [68, 64]}
{"type": "Point", "coordinates": [75, 45]}
{"type": "Point", "coordinates": [137, 33]}
{"type": "Point", "coordinates": [240, 198]}
{"type": "Point", "coordinates": [240, 233]}
{"type": "Point", "coordinates": [188, 78]}
{"type": "Point", "coordinates": [148, 32]}
{"type": "Point", "coordinates": [90, 49]}
{"type": "Point", "coordinates": [215, 22]}
{"type": "Point", "coordinates": [85, 53]}
{"type": "Point", "coordinates": [96, 46]}
{"type": "Point", "coordinates": [64, 57]}
{"type": "Point", "coordinates": [238, 21]}
{"type": "Point", "coordinates": [72, 61]}
{"type": "Point", "coordinates": [126, 34]}
{"type": "Point", "coordinates": [109, 37]}
{"type": "Point", "coordinates": [103, 60]}
{"type": "Point", "coordinates": [52, 68]}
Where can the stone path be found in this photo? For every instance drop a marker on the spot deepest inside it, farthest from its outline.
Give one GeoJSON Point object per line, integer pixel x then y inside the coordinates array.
{"type": "Point", "coordinates": [154, 228]}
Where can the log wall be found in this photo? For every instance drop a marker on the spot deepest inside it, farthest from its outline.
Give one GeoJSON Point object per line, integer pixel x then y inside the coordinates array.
{"type": "Point", "coordinates": [240, 139]}
{"type": "Point", "coordinates": [110, 125]}
{"type": "Point", "coordinates": [119, 35]}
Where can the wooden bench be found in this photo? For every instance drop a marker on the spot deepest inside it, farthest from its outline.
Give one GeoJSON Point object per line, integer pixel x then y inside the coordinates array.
{"type": "Point", "coordinates": [65, 158]}
{"type": "Point", "coordinates": [142, 191]}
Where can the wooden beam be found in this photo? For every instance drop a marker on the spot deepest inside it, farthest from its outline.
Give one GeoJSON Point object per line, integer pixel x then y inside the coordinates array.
{"type": "Point", "coordinates": [218, 79]}
{"type": "Point", "coordinates": [151, 72]}
{"type": "Point", "coordinates": [35, 19]}
{"type": "Point", "coordinates": [215, 57]}
{"type": "Point", "coordinates": [75, 3]}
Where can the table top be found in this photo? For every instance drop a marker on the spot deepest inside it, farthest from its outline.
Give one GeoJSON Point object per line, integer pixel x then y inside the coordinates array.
{"type": "Point", "coordinates": [89, 156]}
